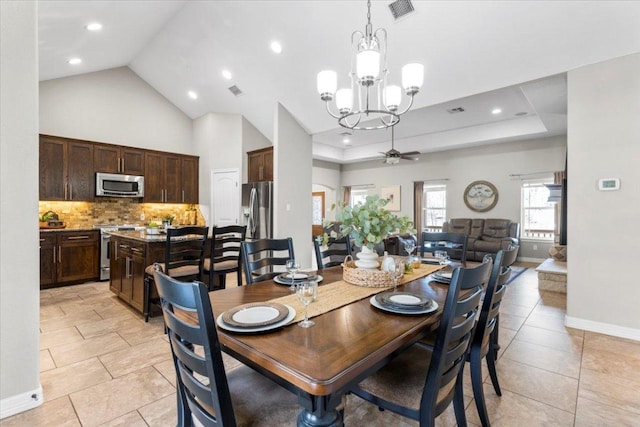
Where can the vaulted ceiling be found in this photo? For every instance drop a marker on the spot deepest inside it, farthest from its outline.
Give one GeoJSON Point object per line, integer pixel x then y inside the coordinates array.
{"type": "Point", "coordinates": [478, 56]}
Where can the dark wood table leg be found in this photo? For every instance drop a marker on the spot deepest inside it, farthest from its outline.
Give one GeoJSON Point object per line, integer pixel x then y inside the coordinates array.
{"type": "Point", "coordinates": [320, 411]}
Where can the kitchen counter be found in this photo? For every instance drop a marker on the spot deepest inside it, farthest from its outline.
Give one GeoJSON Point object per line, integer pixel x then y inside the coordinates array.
{"type": "Point", "coordinates": [142, 236]}
{"type": "Point", "coordinates": [59, 230]}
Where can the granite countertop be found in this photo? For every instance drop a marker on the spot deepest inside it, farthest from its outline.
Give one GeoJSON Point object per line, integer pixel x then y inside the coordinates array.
{"type": "Point", "coordinates": [142, 236]}
{"type": "Point", "coordinates": [58, 230]}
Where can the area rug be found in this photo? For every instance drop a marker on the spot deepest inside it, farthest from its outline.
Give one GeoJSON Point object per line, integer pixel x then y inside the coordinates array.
{"type": "Point", "coordinates": [515, 272]}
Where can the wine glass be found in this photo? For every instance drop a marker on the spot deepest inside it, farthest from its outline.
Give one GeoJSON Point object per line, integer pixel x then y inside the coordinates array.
{"type": "Point", "coordinates": [305, 291]}
{"type": "Point", "coordinates": [397, 273]}
{"type": "Point", "coordinates": [409, 246]}
{"type": "Point", "coordinates": [292, 269]}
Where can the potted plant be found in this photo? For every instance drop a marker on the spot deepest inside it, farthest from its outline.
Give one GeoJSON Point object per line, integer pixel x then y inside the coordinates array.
{"type": "Point", "coordinates": [369, 223]}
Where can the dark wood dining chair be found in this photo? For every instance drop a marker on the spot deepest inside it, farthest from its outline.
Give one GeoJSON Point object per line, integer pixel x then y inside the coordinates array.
{"type": "Point", "coordinates": [225, 254]}
{"type": "Point", "coordinates": [454, 244]}
{"type": "Point", "coordinates": [334, 252]}
{"type": "Point", "coordinates": [260, 256]}
{"type": "Point", "coordinates": [183, 259]}
{"type": "Point", "coordinates": [205, 390]}
{"type": "Point", "coordinates": [484, 341]}
{"type": "Point", "coordinates": [420, 382]}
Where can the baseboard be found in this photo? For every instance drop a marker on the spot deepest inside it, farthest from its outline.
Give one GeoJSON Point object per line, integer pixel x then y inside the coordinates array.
{"type": "Point", "coordinates": [21, 402]}
{"type": "Point", "coordinates": [602, 328]}
{"type": "Point", "coordinates": [528, 259]}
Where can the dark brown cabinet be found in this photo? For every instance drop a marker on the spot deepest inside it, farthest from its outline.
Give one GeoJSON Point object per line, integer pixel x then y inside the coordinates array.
{"type": "Point", "coordinates": [189, 180]}
{"type": "Point", "coordinates": [260, 165]}
{"type": "Point", "coordinates": [66, 169]}
{"type": "Point", "coordinates": [127, 270]}
{"type": "Point", "coordinates": [68, 257]}
{"type": "Point", "coordinates": [170, 178]}
{"type": "Point", "coordinates": [118, 159]}
{"type": "Point", "coordinates": [48, 259]}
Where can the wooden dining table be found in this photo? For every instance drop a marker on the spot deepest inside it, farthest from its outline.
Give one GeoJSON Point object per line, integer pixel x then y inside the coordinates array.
{"type": "Point", "coordinates": [319, 364]}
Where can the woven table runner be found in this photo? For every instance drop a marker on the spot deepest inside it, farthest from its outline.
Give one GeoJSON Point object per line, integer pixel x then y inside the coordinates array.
{"type": "Point", "coordinates": [341, 293]}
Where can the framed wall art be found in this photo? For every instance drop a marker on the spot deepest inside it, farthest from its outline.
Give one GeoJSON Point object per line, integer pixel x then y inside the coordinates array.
{"type": "Point", "coordinates": [480, 196]}
{"type": "Point", "coordinates": [392, 194]}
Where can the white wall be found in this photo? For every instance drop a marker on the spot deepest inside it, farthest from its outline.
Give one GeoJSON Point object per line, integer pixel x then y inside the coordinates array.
{"type": "Point", "coordinates": [493, 163]}
{"type": "Point", "coordinates": [326, 177]}
{"type": "Point", "coordinates": [19, 253]}
{"type": "Point", "coordinates": [217, 140]}
{"type": "Point", "coordinates": [292, 176]}
{"type": "Point", "coordinates": [604, 142]}
{"type": "Point", "coordinates": [252, 139]}
{"type": "Point", "coordinates": [114, 106]}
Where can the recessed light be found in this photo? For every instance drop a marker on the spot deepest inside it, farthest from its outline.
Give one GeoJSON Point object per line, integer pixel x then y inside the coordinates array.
{"type": "Point", "coordinates": [192, 94]}
{"type": "Point", "coordinates": [496, 111]}
{"type": "Point", "coordinates": [227, 74]}
{"type": "Point", "coordinates": [94, 26]}
{"type": "Point", "coordinates": [346, 141]}
{"type": "Point", "coordinates": [276, 47]}
{"type": "Point", "coordinates": [74, 61]}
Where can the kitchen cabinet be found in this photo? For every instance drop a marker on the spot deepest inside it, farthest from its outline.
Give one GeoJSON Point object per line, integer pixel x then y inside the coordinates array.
{"type": "Point", "coordinates": [118, 159]}
{"type": "Point", "coordinates": [190, 179]}
{"type": "Point", "coordinates": [127, 270]}
{"type": "Point", "coordinates": [170, 178]}
{"type": "Point", "coordinates": [66, 169]}
{"type": "Point", "coordinates": [68, 257]}
{"type": "Point", "coordinates": [48, 259]}
{"type": "Point", "coordinates": [260, 165]}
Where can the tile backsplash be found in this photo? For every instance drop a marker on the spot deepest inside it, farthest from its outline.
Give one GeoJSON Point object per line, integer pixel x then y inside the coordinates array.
{"type": "Point", "coordinates": [113, 210]}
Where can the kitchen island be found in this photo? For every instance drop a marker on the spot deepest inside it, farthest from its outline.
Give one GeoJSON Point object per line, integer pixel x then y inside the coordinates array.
{"type": "Point", "coordinates": [131, 252]}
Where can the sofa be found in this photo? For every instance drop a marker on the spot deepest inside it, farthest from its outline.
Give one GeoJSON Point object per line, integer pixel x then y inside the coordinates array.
{"type": "Point", "coordinates": [486, 236]}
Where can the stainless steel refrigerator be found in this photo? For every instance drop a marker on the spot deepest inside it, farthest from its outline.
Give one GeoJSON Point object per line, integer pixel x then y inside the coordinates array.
{"type": "Point", "coordinates": [257, 209]}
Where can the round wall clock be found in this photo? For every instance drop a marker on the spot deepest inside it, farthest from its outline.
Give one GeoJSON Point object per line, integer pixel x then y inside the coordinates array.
{"type": "Point", "coordinates": [480, 196]}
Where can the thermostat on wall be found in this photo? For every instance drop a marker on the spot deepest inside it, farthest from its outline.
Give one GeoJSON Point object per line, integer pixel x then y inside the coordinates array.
{"type": "Point", "coordinates": [609, 184]}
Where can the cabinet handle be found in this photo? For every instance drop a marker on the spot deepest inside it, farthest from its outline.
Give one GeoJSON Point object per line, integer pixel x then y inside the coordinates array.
{"type": "Point", "coordinates": [123, 165]}
{"type": "Point", "coordinates": [78, 237]}
{"type": "Point", "coordinates": [182, 196]}
{"type": "Point", "coordinates": [54, 254]}
{"type": "Point", "coordinates": [126, 266]}
{"type": "Point", "coordinates": [42, 240]}
{"type": "Point", "coordinates": [60, 254]}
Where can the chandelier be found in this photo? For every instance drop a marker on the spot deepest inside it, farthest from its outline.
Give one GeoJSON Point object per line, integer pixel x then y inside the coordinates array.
{"type": "Point", "coordinates": [377, 101]}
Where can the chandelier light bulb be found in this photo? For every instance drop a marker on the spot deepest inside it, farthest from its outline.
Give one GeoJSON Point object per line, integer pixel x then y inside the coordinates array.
{"type": "Point", "coordinates": [368, 66]}
{"type": "Point", "coordinates": [392, 97]}
{"type": "Point", "coordinates": [344, 101]}
{"type": "Point", "coordinates": [412, 77]}
{"type": "Point", "coordinates": [327, 84]}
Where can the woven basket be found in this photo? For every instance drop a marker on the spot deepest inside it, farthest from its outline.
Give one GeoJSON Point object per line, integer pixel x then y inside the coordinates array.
{"type": "Point", "coordinates": [364, 277]}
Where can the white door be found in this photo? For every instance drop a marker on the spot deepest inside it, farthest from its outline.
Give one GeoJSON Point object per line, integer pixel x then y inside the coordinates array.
{"type": "Point", "coordinates": [225, 197]}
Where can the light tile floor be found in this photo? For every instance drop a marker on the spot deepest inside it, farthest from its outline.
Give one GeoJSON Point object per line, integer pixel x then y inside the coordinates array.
{"type": "Point", "coordinates": [101, 365]}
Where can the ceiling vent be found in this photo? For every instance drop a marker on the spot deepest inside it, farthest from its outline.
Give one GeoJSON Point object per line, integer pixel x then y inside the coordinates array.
{"type": "Point", "coordinates": [236, 90]}
{"type": "Point", "coordinates": [400, 8]}
{"type": "Point", "coordinates": [455, 110]}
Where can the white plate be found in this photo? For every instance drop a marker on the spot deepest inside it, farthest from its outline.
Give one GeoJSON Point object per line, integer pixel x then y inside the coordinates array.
{"type": "Point", "coordinates": [444, 274]}
{"type": "Point", "coordinates": [405, 299]}
{"type": "Point", "coordinates": [433, 307]}
{"type": "Point", "coordinates": [279, 280]}
{"type": "Point", "coordinates": [289, 318]}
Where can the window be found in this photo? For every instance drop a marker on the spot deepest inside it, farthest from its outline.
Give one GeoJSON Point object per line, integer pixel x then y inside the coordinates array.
{"type": "Point", "coordinates": [358, 196]}
{"type": "Point", "coordinates": [538, 215]}
{"type": "Point", "coordinates": [434, 207]}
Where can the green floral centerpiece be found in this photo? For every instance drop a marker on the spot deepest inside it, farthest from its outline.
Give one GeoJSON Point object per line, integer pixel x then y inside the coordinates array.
{"type": "Point", "coordinates": [369, 223]}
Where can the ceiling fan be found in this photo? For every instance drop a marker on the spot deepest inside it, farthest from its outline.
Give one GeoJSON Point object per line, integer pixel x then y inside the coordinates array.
{"type": "Point", "coordinates": [393, 156]}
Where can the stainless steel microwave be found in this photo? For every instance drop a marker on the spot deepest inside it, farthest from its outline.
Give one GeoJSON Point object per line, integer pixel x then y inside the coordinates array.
{"type": "Point", "coordinates": [117, 185]}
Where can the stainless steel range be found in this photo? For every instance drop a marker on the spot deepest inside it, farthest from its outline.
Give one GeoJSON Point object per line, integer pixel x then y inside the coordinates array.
{"type": "Point", "coordinates": [105, 231]}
